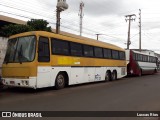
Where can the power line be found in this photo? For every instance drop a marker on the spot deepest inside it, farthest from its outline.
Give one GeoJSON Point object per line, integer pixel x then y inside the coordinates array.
{"type": "Point", "coordinates": [16, 15]}
{"type": "Point", "coordinates": [49, 22]}
{"type": "Point", "coordinates": [94, 32]}
{"type": "Point", "coordinates": [94, 26]}
{"type": "Point", "coordinates": [86, 29]}
{"type": "Point", "coordinates": [24, 5]}
{"type": "Point", "coordinates": [63, 26]}
{"type": "Point", "coordinates": [23, 10]}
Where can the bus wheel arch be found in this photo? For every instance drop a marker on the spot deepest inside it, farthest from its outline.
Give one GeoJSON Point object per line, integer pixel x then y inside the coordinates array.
{"type": "Point", "coordinates": [61, 80]}
{"type": "Point", "coordinates": [66, 78]}
{"type": "Point", "coordinates": [114, 75]}
{"type": "Point", "coordinates": [108, 76]}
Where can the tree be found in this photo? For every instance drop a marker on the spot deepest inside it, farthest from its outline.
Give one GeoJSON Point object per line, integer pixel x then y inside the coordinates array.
{"type": "Point", "coordinates": [39, 24]}
{"type": "Point", "coordinates": [32, 25]}
{"type": "Point", "coordinates": [11, 29]}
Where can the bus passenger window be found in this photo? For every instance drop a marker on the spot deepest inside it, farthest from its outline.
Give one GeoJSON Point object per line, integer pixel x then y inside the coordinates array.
{"type": "Point", "coordinates": [43, 50]}
{"type": "Point", "coordinates": [107, 53]}
{"type": "Point", "coordinates": [122, 55]}
{"type": "Point", "coordinates": [59, 47]}
{"type": "Point", "coordinates": [76, 49]}
{"type": "Point", "coordinates": [88, 51]}
{"type": "Point", "coordinates": [98, 52]}
{"type": "Point", "coordinates": [140, 57]}
{"type": "Point", "coordinates": [134, 56]}
{"type": "Point", "coordinates": [115, 54]}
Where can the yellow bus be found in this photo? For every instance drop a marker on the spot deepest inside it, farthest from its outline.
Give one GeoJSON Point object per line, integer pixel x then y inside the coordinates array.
{"type": "Point", "coordinates": [39, 59]}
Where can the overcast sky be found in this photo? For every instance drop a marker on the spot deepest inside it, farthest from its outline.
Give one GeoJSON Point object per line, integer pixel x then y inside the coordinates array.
{"type": "Point", "coordinates": [100, 17]}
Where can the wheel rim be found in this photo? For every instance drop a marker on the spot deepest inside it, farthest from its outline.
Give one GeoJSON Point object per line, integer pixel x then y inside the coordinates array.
{"type": "Point", "coordinates": [107, 76]}
{"type": "Point", "coordinates": [60, 80]}
{"type": "Point", "coordinates": [113, 76]}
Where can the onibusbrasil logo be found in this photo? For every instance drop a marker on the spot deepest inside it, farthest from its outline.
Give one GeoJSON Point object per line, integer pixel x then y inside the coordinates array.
{"type": "Point", "coordinates": [21, 114]}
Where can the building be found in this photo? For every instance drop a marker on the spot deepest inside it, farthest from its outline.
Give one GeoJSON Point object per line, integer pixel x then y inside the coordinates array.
{"type": "Point", "coordinates": [4, 20]}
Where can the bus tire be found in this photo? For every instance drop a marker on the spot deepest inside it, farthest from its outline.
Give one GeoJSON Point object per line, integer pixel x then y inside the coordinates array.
{"type": "Point", "coordinates": [155, 71]}
{"type": "Point", "coordinates": [60, 81]}
{"type": "Point", "coordinates": [114, 75]}
{"type": "Point", "coordinates": [108, 76]}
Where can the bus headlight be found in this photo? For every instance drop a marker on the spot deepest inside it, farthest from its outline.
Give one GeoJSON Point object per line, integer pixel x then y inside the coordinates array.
{"type": "Point", "coordinates": [24, 82]}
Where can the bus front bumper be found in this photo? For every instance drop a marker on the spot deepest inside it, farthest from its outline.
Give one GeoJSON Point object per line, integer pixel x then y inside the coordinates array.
{"type": "Point", "coordinates": [18, 82]}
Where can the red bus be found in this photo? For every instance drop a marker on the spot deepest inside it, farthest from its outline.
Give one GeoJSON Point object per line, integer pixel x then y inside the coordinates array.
{"type": "Point", "coordinates": [139, 63]}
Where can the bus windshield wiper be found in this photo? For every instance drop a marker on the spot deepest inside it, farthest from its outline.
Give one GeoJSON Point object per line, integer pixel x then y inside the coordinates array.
{"type": "Point", "coordinates": [7, 59]}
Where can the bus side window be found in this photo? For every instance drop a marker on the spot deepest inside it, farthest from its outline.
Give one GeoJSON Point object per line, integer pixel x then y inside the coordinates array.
{"type": "Point", "coordinates": [88, 51]}
{"type": "Point", "coordinates": [43, 50]}
{"type": "Point", "coordinates": [115, 54]}
{"type": "Point", "coordinates": [59, 47]}
{"type": "Point", "coordinates": [122, 55]}
{"type": "Point", "coordinates": [107, 53]}
{"type": "Point", "coordinates": [134, 56]}
{"type": "Point", "coordinates": [98, 52]}
{"type": "Point", "coordinates": [76, 49]}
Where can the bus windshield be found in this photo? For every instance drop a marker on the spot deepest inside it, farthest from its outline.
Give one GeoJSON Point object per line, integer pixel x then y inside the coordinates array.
{"type": "Point", "coordinates": [20, 50]}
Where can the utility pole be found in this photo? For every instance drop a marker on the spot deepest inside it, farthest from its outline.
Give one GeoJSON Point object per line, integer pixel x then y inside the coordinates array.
{"type": "Point", "coordinates": [58, 20]}
{"type": "Point", "coordinates": [140, 26]}
{"type": "Point", "coordinates": [61, 6]}
{"type": "Point", "coordinates": [98, 36]}
{"type": "Point", "coordinates": [129, 18]}
{"type": "Point", "coordinates": [81, 17]}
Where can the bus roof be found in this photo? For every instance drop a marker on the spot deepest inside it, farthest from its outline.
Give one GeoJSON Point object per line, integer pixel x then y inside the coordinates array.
{"type": "Point", "coordinates": [70, 37]}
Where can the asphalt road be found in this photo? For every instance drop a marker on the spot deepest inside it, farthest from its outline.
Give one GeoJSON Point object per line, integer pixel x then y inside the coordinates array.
{"type": "Point", "coordinates": [127, 94]}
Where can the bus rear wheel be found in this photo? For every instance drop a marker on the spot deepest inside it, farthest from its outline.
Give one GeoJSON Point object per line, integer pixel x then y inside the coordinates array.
{"type": "Point", "coordinates": [114, 75]}
{"type": "Point", "coordinates": [108, 76]}
{"type": "Point", "coordinates": [60, 81]}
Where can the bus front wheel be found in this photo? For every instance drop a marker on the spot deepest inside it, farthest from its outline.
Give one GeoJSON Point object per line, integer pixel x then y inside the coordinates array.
{"type": "Point", "coordinates": [60, 81]}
